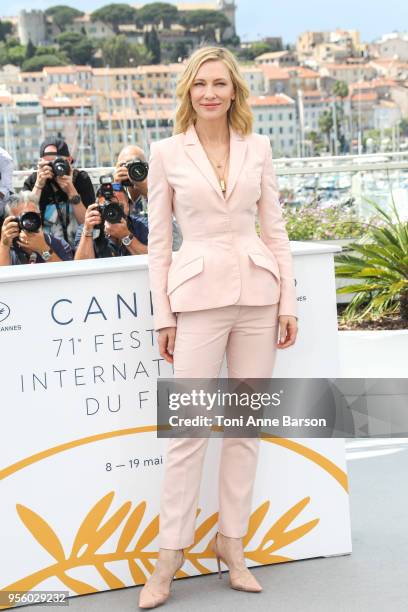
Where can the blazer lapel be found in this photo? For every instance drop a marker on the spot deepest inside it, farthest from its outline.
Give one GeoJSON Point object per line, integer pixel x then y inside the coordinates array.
{"type": "Point", "coordinates": [196, 152]}
{"type": "Point", "coordinates": [238, 147]}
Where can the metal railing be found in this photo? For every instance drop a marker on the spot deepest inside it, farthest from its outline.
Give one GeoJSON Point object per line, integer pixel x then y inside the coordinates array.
{"type": "Point", "coordinates": [297, 165]}
{"type": "Point", "coordinates": [357, 178]}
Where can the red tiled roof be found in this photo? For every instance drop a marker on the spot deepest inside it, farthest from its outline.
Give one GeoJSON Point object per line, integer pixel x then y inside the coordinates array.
{"type": "Point", "coordinates": [274, 72]}
{"type": "Point", "coordinates": [343, 66]}
{"type": "Point", "coordinates": [65, 103]}
{"type": "Point", "coordinates": [279, 72]}
{"type": "Point", "coordinates": [277, 100]}
{"type": "Point", "coordinates": [131, 114]}
{"type": "Point", "coordinates": [66, 69]}
{"type": "Point", "coordinates": [312, 93]}
{"type": "Point", "coordinates": [370, 96]}
{"type": "Point", "coordinates": [63, 88]}
{"type": "Point", "coordinates": [372, 84]}
{"type": "Point", "coordinates": [38, 75]}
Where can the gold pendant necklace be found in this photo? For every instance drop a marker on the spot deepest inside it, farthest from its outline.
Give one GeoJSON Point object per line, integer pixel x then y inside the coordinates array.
{"type": "Point", "coordinates": [221, 179]}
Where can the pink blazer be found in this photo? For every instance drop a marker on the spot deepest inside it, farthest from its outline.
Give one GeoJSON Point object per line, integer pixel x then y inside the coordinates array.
{"type": "Point", "coordinates": [222, 260]}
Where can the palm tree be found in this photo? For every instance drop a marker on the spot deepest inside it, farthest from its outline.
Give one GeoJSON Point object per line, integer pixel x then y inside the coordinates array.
{"type": "Point", "coordinates": [382, 269]}
{"type": "Point", "coordinates": [326, 125]}
{"type": "Point", "coordinates": [341, 90]}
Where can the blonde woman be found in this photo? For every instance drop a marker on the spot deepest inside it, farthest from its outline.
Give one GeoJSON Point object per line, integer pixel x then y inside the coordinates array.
{"type": "Point", "coordinates": [226, 291]}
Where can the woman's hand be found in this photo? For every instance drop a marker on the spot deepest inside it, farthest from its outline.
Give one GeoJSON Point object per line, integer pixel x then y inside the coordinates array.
{"type": "Point", "coordinates": [287, 331]}
{"type": "Point", "coordinates": [166, 340]}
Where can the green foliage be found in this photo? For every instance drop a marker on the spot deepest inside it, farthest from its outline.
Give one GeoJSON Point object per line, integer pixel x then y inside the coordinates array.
{"type": "Point", "coordinates": [68, 38]}
{"type": "Point", "coordinates": [380, 270]}
{"type": "Point", "coordinates": [316, 222]}
{"type": "Point", "coordinates": [30, 50]}
{"type": "Point", "coordinates": [258, 48]}
{"type": "Point", "coordinates": [117, 53]}
{"type": "Point", "coordinates": [78, 48]}
{"type": "Point", "coordinates": [156, 12]}
{"type": "Point", "coordinates": [341, 89]}
{"type": "Point", "coordinates": [5, 29]}
{"type": "Point", "coordinates": [82, 53]}
{"type": "Point", "coordinates": [38, 62]}
{"type": "Point", "coordinates": [49, 51]}
{"type": "Point", "coordinates": [404, 126]}
{"type": "Point", "coordinates": [63, 15]}
{"type": "Point", "coordinates": [325, 123]}
{"type": "Point", "coordinates": [152, 43]}
{"type": "Point", "coordinates": [13, 42]}
{"type": "Point", "coordinates": [3, 54]}
{"type": "Point", "coordinates": [233, 41]}
{"type": "Point", "coordinates": [16, 54]}
{"type": "Point", "coordinates": [115, 14]}
{"type": "Point", "coordinates": [46, 50]}
{"type": "Point", "coordinates": [176, 50]}
{"type": "Point", "coordinates": [203, 18]}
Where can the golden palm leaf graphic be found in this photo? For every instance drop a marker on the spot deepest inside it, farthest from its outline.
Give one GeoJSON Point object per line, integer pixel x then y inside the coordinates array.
{"type": "Point", "coordinates": [93, 533]}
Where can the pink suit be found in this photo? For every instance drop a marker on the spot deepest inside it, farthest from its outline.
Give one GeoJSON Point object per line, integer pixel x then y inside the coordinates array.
{"type": "Point", "coordinates": [223, 290]}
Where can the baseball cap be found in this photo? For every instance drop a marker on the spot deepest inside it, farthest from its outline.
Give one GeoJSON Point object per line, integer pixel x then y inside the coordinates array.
{"type": "Point", "coordinates": [61, 145]}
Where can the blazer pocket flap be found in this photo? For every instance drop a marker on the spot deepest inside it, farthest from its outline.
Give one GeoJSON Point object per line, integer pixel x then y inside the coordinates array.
{"type": "Point", "coordinates": [263, 261]}
{"type": "Point", "coordinates": [188, 270]}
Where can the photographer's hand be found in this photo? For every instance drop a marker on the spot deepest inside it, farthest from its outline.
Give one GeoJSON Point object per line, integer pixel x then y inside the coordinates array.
{"type": "Point", "coordinates": [33, 241]}
{"type": "Point", "coordinates": [9, 231]}
{"type": "Point", "coordinates": [121, 174]}
{"type": "Point", "coordinates": [65, 182]}
{"type": "Point", "coordinates": [85, 249]}
{"type": "Point", "coordinates": [117, 230]}
{"type": "Point", "coordinates": [44, 173]}
{"type": "Point", "coordinates": [36, 242]}
{"type": "Point", "coordinates": [92, 217]}
{"type": "Point", "coordinates": [136, 189]}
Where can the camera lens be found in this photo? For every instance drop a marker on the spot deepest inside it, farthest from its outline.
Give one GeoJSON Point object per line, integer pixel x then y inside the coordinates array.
{"type": "Point", "coordinates": [137, 170]}
{"type": "Point", "coordinates": [30, 222]}
{"type": "Point", "coordinates": [60, 166]}
{"type": "Point", "coordinates": [112, 212]}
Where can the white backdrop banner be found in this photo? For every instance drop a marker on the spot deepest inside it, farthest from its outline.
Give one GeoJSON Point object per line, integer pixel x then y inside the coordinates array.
{"type": "Point", "coordinates": [81, 466]}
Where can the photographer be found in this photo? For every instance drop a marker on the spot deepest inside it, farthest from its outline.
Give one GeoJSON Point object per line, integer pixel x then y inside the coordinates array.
{"type": "Point", "coordinates": [6, 178]}
{"type": "Point", "coordinates": [64, 191]}
{"type": "Point", "coordinates": [22, 239]}
{"type": "Point", "coordinates": [137, 190]}
{"type": "Point", "coordinates": [110, 229]}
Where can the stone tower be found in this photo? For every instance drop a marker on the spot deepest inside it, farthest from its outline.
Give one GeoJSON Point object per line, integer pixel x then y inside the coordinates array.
{"type": "Point", "coordinates": [32, 25]}
{"type": "Point", "coordinates": [228, 7]}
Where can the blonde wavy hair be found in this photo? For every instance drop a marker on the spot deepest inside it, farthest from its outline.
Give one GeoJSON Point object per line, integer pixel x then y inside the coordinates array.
{"type": "Point", "coordinates": [239, 113]}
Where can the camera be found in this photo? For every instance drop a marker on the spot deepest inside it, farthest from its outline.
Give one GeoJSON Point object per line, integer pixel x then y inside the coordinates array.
{"type": "Point", "coordinates": [137, 171]}
{"type": "Point", "coordinates": [29, 221]}
{"type": "Point", "coordinates": [109, 210]}
{"type": "Point", "coordinates": [105, 190]}
{"type": "Point", "coordinates": [60, 166]}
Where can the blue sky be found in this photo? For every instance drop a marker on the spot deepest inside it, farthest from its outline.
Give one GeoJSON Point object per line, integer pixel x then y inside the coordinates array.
{"type": "Point", "coordinates": [282, 17]}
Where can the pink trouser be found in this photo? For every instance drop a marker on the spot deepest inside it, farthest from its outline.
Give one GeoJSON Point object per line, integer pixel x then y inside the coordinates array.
{"type": "Point", "coordinates": [248, 335]}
